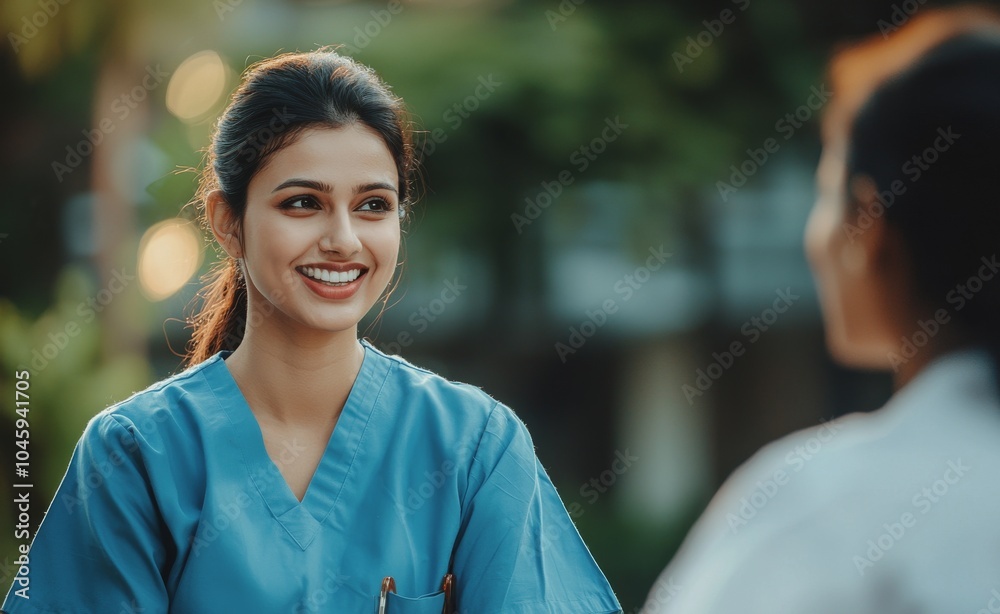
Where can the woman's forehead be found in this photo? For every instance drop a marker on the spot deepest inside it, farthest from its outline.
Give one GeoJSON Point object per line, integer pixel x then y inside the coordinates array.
{"type": "Point", "coordinates": [335, 156]}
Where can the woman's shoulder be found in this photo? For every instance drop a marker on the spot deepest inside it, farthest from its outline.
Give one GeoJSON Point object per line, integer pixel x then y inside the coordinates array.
{"type": "Point", "coordinates": [447, 400]}
{"type": "Point", "coordinates": [420, 380]}
{"type": "Point", "coordinates": [162, 401]}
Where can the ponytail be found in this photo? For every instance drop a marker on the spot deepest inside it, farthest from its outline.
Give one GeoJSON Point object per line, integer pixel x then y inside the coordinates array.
{"type": "Point", "coordinates": [221, 322]}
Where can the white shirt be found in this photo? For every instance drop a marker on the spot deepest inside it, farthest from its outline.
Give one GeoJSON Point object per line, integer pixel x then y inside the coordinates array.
{"type": "Point", "coordinates": [897, 511]}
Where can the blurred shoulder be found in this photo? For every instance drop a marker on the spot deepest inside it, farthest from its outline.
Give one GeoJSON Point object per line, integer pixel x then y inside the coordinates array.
{"type": "Point", "coordinates": [949, 410]}
{"type": "Point", "coordinates": [772, 504]}
{"type": "Point", "coordinates": [831, 447]}
{"type": "Point", "coordinates": [824, 458]}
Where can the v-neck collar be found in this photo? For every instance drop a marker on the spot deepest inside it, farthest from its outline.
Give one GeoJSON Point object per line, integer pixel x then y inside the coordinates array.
{"type": "Point", "coordinates": [301, 520]}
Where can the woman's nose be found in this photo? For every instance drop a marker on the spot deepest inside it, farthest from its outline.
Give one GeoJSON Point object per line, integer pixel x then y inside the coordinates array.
{"type": "Point", "coordinates": [339, 236]}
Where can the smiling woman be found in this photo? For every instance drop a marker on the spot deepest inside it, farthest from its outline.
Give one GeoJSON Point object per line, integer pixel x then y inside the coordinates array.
{"type": "Point", "coordinates": [281, 471]}
{"type": "Point", "coordinates": [325, 207]}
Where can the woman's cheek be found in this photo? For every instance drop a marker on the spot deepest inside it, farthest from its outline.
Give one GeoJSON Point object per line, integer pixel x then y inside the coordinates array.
{"type": "Point", "coordinates": [287, 278]}
{"type": "Point", "coordinates": [816, 237]}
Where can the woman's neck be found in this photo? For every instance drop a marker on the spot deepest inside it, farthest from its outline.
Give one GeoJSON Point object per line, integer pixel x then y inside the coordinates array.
{"type": "Point", "coordinates": [296, 377]}
{"type": "Point", "coordinates": [939, 346]}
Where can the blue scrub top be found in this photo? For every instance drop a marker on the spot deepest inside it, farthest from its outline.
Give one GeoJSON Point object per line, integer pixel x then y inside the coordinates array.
{"type": "Point", "coordinates": [172, 504]}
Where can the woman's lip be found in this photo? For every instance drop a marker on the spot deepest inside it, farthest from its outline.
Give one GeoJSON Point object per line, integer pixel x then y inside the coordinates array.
{"type": "Point", "coordinates": [333, 292]}
{"type": "Point", "coordinates": [330, 276]}
{"type": "Point", "coordinates": [335, 266]}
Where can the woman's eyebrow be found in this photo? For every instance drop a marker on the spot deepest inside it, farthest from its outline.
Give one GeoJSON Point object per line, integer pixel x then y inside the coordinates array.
{"type": "Point", "coordinates": [326, 188]}
{"type": "Point", "coordinates": [378, 185]}
{"type": "Point", "coordinates": [312, 184]}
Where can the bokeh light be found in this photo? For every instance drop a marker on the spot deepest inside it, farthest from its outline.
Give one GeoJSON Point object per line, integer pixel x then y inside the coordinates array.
{"type": "Point", "coordinates": [196, 86]}
{"type": "Point", "coordinates": [169, 255]}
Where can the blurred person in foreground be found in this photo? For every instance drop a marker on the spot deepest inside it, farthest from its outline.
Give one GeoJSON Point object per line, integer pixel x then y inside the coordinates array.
{"type": "Point", "coordinates": [893, 511]}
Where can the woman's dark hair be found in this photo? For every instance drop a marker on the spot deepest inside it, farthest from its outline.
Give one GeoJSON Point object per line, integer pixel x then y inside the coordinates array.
{"type": "Point", "coordinates": [277, 100]}
{"type": "Point", "coordinates": [929, 137]}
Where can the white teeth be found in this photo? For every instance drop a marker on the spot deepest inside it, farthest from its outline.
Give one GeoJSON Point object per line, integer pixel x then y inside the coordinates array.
{"type": "Point", "coordinates": [332, 277]}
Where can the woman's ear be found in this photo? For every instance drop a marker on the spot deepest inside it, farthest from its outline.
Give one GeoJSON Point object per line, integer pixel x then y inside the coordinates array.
{"type": "Point", "coordinates": [880, 248]}
{"type": "Point", "coordinates": [225, 225]}
{"type": "Point", "coordinates": [869, 241]}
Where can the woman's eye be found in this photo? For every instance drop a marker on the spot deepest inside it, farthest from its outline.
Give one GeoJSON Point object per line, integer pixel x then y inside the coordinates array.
{"type": "Point", "coordinates": [300, 203]}
{"type": "Point", "coordinates": [376, 205]}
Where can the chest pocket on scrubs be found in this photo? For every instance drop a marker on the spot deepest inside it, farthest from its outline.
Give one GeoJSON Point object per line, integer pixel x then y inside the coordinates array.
{"type": "Point", "coordinates": [397, 604]}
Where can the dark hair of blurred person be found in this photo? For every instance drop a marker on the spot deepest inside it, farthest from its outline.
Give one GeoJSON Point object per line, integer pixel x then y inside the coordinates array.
{"type": "Point", "coordinates": [905, 224]}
